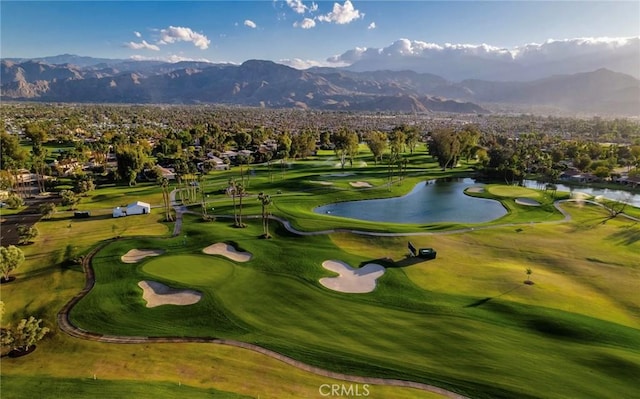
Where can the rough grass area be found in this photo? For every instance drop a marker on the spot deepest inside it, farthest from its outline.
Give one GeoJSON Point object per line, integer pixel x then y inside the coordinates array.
{"type": "Point", "coordinates": [47, 387]}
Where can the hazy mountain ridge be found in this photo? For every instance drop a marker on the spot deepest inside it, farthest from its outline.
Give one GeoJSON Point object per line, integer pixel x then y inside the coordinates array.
{"type": "Point", "coordinates": [268, 84]}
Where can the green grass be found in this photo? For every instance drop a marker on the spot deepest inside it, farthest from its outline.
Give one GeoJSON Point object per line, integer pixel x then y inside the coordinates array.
{"type": "Point", "coordinates": [408, 327]}
{"type": "Point", "coordinates": [464, 321]}
{"type": "Point", "coordinates": [44, 387]}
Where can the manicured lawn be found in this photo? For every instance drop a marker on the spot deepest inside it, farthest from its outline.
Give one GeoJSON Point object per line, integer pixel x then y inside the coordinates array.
{"type": "Point", "coordinates": [416, 319]}
{"type": "Point", "coordinates": [464, 321]}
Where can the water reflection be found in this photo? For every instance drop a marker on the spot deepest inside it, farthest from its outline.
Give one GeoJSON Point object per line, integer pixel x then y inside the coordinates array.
{"type": "Point", "coordinates": [428, 202]}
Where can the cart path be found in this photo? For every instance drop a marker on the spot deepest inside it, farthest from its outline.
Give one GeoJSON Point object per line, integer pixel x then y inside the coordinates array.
{"type": "Point", "coordinates": [287, 225]}
{"type": "Point", "coordinates": [179, 209]}
{"type": "Point", "coordinates": [69, 328]}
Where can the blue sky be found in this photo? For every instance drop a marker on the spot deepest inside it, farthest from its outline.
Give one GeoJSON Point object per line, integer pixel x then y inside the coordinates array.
{"type": "Point", "coordinates": [234, 31]}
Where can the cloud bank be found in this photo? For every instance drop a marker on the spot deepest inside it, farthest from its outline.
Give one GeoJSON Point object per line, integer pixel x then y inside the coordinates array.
{"type": "Point", "coordinates": [142, 45]}
{"type": "Point", "coordinates": [306, 23]}
{"type": "Point", "coordinates": [299, 7]}
{"type": "Point", "coordinates": [342, 14]}
{"type": "Point", "coordinates": [483, 61]}
{"type": "Point", "coordinates": [174, 34]}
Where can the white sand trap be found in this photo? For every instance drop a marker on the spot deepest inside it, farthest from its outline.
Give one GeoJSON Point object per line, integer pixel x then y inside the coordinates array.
{"type": "Point", "coordinates": [227, 250]}
{"type": "Point", "coordinates": [323, 183]}
{"type": "Point", "coordinates": [352, 281]}
{"type": "Point", "coordinates": [136, 255]}
{"type": "Point", "coordinates": [157, 294]}
{"type": "Point", "coordinates": [475, 189]}
{"type": "Point", "coordinates": [527, 202]}
{"type": "Point", "coordinates": [359, 184]}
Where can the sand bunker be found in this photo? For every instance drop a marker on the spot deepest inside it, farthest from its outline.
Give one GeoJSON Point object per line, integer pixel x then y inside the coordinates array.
{"type": "Point", "coordinates": [352, 281]}
{"type": "Point", "coordinates": [359, 184]}
{"type": "Point", "coordinates": [136, 255]}
{"type": "Point", "coordinates": [227, 250]}
{"type": "Point", "coordinates": [527, 202]}
{"type": "Point", "coordinates": [475, 189]}
{"type": "Point", "coordinates": [157, 294]}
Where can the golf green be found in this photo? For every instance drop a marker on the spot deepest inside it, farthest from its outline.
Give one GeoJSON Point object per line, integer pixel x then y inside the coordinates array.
{"type": "Point", "coordinates": [190, 270]}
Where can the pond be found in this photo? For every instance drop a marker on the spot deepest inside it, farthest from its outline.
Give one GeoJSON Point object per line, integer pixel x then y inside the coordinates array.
{"type": "Point", "coordinates": [429, 202]}
{"type": "Point", "coordinates": [617, 195]}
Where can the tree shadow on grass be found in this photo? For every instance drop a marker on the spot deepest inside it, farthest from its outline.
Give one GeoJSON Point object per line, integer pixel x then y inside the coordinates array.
{"type": "Point", "coordinates": [626, 235]}
{"type": "Point", "coordinates": [482, 301]}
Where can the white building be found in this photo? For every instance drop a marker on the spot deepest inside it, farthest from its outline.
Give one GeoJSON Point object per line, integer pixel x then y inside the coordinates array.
{"type": "Point", "coordinates": [134, 208]}
{"type": "Point", "coordinates": [138, 208]}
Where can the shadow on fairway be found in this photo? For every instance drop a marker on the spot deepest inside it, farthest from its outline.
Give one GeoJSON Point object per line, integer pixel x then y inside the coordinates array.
{"type": "Point", "coordinates": [627, 235]}
{"type": "Point", "coordinates": [482, 301]}
{"type": "Point", "coordinates": [389, 263]}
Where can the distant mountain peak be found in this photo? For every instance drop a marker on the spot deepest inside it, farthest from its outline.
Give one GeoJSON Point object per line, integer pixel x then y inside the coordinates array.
{"type": "Point", "coordinates": [266, 83]}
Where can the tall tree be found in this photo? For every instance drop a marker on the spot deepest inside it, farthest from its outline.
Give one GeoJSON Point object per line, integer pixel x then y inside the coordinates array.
{"type": "Point", "coordinates": [69, 198]}
{"type": "Point", "coordinates": [265, 201]}
{"type": "Point", "coordinates": [345, 144]}
{"type": "Point", "coordinates": [12, 159]}
{"type": "Point", "coordinates": [377, 143]}
{"type": "Point", "coordinates": [164, 183]}
{"type": "Point", "coordinates": [11, 258]}
{"type": "Point", "coordinates": [412, 137]}
{"type": "Point", "coordinates": [232, 189]}
{"type": "Point", "coordinates": [241, 192]}
{"type": "Point", "coordinates": [130, 160]}
{"type": "Point", "coordinates": [445, 147]}
{"type": "Point", "coordinates": [47, 210]}
{"type": "Point", "coordinates": [284, 150]}
{"type": "Point", "coordinates": [26, 233]}
{"type": "Point", "coordinates": [28, 332]}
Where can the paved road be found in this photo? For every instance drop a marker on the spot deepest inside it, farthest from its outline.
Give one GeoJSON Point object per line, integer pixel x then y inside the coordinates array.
{"type": "Point", "coordinates": [179, 208]}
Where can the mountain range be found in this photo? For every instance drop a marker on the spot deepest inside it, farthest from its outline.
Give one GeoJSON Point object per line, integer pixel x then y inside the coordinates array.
{"type": "Point", "coordinates": [69, 78]}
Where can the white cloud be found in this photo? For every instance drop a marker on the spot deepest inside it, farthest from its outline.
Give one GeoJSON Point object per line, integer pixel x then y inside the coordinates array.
{"type": "Point", "coordinates": [250, 24]}
{"type": "Point", "coordinates": [371, 26]}
{"type": "Point", "coordinates": [297, 6]}
{"type": "Point", "coordinates": [298, 63]}
{"type": "Point", "coordinates": [306, 23]}
{"type": "Point", "coordinates": [485, 61]}
{"type": "Point", "coordinates": [138, 34]}
{"type": "Point", "coordinates": [578, 46]}
{"type": "Point", "coordinates": [143, 45]}
{"type": "Point", "coordinates": [342, 14]}
{"type": "Point", "coordinates": [313, 8]}
{"type": "Point", "coordinates": [174, 34]}
{"type": "Point", "coordinates": [173, 58]}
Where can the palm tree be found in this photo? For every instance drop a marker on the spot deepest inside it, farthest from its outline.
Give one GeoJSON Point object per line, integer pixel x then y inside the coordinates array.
{"type": "Point", "coordinates": [241, 192]}
{"type": "Point", "coordinates": [265, 201]}
{"type": "Point", "coordinates": [232, 189]}
{"type": "Point", "coordinates": [164, 183]}
{"type": "Point", "coordinates": [529, 271]}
